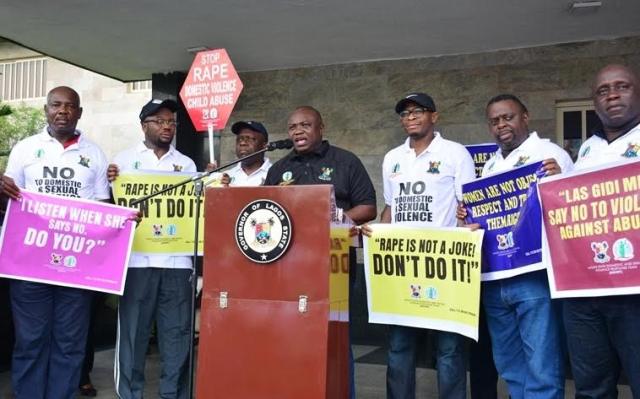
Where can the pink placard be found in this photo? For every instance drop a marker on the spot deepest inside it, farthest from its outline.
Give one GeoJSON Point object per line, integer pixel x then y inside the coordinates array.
{"type": "Point", "coordinates": [592, 226]}
{"type": "Point", "coordinates": [66, 241]}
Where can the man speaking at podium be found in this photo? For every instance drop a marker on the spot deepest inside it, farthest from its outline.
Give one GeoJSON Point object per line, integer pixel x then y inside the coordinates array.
{"type": "Point", "coordinates": [314, 161]}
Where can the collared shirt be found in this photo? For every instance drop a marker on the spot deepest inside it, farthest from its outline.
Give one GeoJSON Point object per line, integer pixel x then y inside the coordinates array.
{"type": "Point", "coordinates": [143, 158]}
{"type": "Point", "coordinates": [597, 150]}
{"type": "Point", "coordinates": [424, 189]}
{"type": "Point", "coordinates": [239, 178]}
{"type": "Point", "coordinates": [533, 149]}
{"type": "Point", "coordinates": [41, 163]}
{"type": "Point", "coordinates": [326, 165]}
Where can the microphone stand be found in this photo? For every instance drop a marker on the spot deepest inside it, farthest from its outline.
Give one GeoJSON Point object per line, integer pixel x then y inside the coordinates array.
{"type": "Point", "coordinates": [197, 180]}
{"type": "Point", "coordinates": [202, 175]}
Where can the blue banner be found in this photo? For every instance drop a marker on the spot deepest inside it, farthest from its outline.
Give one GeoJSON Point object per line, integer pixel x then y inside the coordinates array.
{"type": "Point", "coordinates": [506, 205]}
{"type": "Point", "coordinates": [481, 154]}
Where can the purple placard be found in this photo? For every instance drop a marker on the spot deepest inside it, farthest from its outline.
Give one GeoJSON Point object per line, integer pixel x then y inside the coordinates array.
{"type": "Point", "coordinates": [66, 241]}
{"type": "Point", "coordinates": [507, 207]}
{"type": "Point", "coordinates": [481, 154]}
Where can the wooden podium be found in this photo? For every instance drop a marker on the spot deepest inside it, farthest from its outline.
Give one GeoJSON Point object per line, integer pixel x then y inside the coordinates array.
{"type": "Point", "coordinates": [273, 329]}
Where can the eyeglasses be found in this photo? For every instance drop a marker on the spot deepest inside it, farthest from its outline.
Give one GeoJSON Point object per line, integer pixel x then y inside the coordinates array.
{"type": "Point", "coordinates": [246, 139]}
{"type": "Point", "coordinates": [619, 87]}
{"type": "Point", "coordinates": [417, 112]}
{"type": "Point", "coordinates": [163, 122]}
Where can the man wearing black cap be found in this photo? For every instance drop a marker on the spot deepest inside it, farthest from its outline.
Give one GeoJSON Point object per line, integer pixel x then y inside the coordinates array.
{"type": "Point", "coordinates": [251, 136]}
{"type": "Point", "coordinates": [442, 166]}
{"type": "Point", "coordinates": [157, 286]}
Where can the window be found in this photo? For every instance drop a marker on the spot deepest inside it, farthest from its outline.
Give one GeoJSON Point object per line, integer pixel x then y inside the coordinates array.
{"type": "Point", "coordinates": [575, 122]}
{"type": "Point", "coordinates": [138, 86]}
{"type": "Point", "coordinates": [23, 80]}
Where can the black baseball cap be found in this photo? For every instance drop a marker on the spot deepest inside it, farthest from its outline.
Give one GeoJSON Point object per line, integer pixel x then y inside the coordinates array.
{"type": "Point", "coordinates": [152, 107]}
{"type": "Point", "coordinates": [422, 99]}
{"type": "Point", "coordinates": [251, 125]}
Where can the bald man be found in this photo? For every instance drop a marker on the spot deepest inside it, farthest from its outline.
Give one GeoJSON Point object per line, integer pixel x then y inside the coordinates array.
{"type": "Point", "coordinates": [604, 332]}
{"type": "Point", "coordinates": [51, 322]}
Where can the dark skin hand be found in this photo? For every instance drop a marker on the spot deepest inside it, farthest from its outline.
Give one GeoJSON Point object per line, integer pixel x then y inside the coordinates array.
{"type": "Point", "coordinates": [225, 180]}
{"type": "Point", "coordinates": [550, 167]}
{"type": "Point", "coordinates": [112, 174]}
{"type": "Point", "coordinates": [8, 188]}
{"type": "Point", "coordinates": [361, 213]}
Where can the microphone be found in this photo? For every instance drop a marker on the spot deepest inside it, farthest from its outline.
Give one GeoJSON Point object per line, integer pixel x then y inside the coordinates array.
{"type": "Point", "coordinates": [280, 145]}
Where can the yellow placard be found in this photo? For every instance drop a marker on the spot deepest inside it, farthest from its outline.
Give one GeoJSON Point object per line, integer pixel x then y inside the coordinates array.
{"type": "Point", "coordinates": [424, 277]}
{"type": "Point", "coordinates": [168, 220]}
{"type": "Point", "coordinates": [339, 277]}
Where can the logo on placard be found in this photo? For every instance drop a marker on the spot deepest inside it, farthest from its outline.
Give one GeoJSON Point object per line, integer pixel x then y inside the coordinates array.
{"type": "Point", "coordinates": [70, 261]}
{"type": "Point", "coordinates": [157, 230]}
{"type": "Point", "coordinates": [622, 250]}
{"type": "Point", "coordinates": [415, 290]}
{"type": "Point", "coordinates": [172, 230]}
{"type": "Point", "coordinates": [56, 259]}
{"type": "Point", "coordinates": [431, 293]}
{"type": "Point", "coordinates": [263, 231]}
{"type": "Point", "coordinates": [505, 240]}
{"type": "Point", "coordinates": [600, 252]}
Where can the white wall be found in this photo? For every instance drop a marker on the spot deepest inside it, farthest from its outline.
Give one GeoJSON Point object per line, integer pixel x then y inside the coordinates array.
{"type": "Point", "coordinates": [110, 111]}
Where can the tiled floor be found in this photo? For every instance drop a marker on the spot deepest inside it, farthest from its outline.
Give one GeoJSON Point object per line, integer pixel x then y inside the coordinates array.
{"type": "Point", "coordinates": [370, 378]}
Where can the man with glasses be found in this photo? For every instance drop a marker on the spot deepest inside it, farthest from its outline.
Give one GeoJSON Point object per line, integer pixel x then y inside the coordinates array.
{"type": "Point", "coordinates": [251, 136]}
{"type": "Point", "coordinates": [157, 286]}
{"type": "Point", "coordinates": [444, 166]}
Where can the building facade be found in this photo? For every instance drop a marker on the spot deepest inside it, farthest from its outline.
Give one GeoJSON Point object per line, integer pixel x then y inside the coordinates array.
{"type": "Point", "coordinates": [356, 101]}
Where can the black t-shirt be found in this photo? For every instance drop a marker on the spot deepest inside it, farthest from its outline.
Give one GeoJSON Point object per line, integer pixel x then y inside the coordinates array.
{"type": "Point", "coordinates": [326, 165]}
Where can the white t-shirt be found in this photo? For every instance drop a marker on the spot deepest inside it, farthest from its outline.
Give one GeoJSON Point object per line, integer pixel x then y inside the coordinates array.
{"type": "Point", "coordinates": [40, 163]}
{"type": "Point", "coordinates": [142, 158]}
{"type": "Point", "coordinates": [596, 150]}
{"type": "Point", "coordinates": [239, 178]}
{"type": "Point", "coordinates": [424, 189]}
{"type": "Point", "coordinates": [533, 149]}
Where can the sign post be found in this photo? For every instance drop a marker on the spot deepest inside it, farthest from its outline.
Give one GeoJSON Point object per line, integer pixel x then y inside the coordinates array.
{"type": "Point", "coordinates": [210, 92]}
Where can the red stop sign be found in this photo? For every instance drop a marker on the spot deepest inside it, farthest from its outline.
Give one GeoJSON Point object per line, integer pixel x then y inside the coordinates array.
{"type": "Point", "coordinates": [211, 89]}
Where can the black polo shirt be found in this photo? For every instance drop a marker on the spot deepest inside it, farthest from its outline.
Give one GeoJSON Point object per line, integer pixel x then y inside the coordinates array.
{"type": "Point", "coordinates": [326, 165]}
